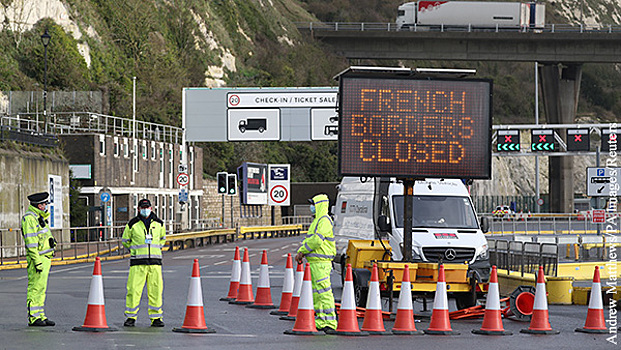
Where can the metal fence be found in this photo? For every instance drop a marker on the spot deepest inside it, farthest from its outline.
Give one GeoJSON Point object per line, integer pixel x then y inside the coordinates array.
{"type": "Point", "coordinates": [86, 122]}
{"type": "Point", "coordinates": [375, 26]}
{"type": "Point", "coordinates": [524, 257]}
{"type": "Point", "coordinates": [31, 102]}
{"type": "Point", "coordinates": [545, 224]}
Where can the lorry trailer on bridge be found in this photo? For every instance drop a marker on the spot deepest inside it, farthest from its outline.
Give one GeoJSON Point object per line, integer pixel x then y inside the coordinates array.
{"type": "Point", "coordinates": [472, 15]}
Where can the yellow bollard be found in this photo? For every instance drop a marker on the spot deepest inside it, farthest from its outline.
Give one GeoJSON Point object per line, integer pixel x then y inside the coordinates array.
{"type": "Point", "coordinates": [577, 251]}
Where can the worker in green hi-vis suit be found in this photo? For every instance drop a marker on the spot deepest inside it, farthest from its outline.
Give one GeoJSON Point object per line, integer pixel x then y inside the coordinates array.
{"type": "Point", "coordinates": [319, 249]}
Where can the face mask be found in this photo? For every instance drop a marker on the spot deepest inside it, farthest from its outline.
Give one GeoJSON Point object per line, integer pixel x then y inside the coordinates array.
{"type": "Point", "coordinates": [145, 212]}
{"type": "Point", "coordinates": [312, 208]}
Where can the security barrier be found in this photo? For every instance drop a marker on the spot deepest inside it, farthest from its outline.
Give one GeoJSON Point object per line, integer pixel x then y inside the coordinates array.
{"type": "Point", "coordinates": [524, 257]}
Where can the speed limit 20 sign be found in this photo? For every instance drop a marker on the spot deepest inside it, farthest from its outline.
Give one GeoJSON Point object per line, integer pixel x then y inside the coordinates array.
{"type": "Point", "coordinates": [279, 184]}
{"type": "Point", "coordinates": [183, 179]}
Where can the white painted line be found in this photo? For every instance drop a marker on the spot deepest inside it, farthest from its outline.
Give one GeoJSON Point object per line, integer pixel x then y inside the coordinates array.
{"type": "Point", "coordinates": [221, 262]}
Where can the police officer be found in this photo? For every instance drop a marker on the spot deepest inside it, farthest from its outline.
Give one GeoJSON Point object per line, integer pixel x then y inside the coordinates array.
{"type": "Point", "coordinates": [144, 236]}
{"type": "Point", "coordinates": [319, 250]}
{"type": "Point", "coordinates": [40, 246]}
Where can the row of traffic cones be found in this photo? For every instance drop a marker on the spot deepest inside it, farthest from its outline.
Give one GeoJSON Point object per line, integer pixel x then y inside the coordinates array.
{"type": "Point", "coordinates": [95, 320]}
{"type": "Point", "coordinates": [297, 303]}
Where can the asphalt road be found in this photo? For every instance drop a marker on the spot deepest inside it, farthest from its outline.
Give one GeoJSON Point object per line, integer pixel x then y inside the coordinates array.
{"type": "Point", "coordinates": [237, 327]}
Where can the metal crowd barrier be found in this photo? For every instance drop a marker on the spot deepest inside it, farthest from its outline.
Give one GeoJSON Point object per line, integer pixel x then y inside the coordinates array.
{"type": "Point", "coordinates": [524, 257]}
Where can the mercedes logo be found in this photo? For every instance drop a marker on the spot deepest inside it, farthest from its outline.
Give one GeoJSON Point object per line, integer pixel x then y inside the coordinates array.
{"type": "Point", "coordinates": [450, 254]}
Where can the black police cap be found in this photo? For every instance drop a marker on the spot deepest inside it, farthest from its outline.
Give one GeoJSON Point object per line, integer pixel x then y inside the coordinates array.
{"type": "Point", "coordinates": [38, 198]}
{"type": "Point", "coordinates": [144, 203]}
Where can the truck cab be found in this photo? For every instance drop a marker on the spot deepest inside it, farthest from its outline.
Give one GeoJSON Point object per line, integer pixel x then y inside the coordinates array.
{"type": "Point", "coordinates": [444, 223]}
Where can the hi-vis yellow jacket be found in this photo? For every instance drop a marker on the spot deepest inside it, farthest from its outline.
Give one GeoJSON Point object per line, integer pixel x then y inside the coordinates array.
{"type": "Point", "coordinates": [319, 242]}
{"type": "Point", "coordinates": [37, 234]}
{"type": "Point", "coordinates": [145, 243]}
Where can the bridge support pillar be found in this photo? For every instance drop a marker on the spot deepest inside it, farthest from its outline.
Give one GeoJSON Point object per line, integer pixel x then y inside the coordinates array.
{"type": "Point", "coordinates": [560, 86]}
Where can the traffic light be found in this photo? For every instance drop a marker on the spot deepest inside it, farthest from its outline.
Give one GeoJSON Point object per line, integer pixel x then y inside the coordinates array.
{"type": "Point", "coordinates": [232, 184]}
{"type": "Point", "coordinates": [508, 141]}
{"type": "Point", "coordinates": [542, 140]}
{"type": "Point", "coordinates": [578, 140]}
{"type": "Point", "coordinates": [222, 183]}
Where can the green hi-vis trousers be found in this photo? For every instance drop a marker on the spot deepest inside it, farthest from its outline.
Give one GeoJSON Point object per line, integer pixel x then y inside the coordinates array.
{"type": "Point", "coordinates": [37, 287]}
{"type": "Point", "coordinates": [323, 299]}
{"type": "Point", "coordinates": [138, 276]}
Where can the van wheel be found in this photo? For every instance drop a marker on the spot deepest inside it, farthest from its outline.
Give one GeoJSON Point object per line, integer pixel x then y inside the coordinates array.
{"type": "Point", "coordinates": [261, 129]}
{"type": "Point", "coordinates": [242, 129]}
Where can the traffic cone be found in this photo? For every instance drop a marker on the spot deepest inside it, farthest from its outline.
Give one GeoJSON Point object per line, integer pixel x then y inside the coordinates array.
{"type": "Point", "coordinates": [235, 275]}
{"type": "Point", "coordinates": [404, 321]}
{"type": "Point", "coordinates": [194, 321]}
{"type": "Point", "coordinates": [287, 289]}
{"type": "Point", "coordinates": [440, 323]}
{"type": "Point", "coordinates": [348, 321]}
{"type": "Point", "coordinates": [595, 322]}
{"type": "Point", "coordinates": [305, 319]}
{"type": "Point", "coordinates": [244, 295]}
{"type": "Point", "coordinates": [373, 322]}
{"type": "Point", "coordinates": [540, 321]}
{"type": "Point", "coordinates": [295, 298]}
{"type": "Point", "coordinates": [95, 320]}
{"type": "Point", "coordinates": [492, 320]}
{"type": "Point", "coordinates": [264, 293]}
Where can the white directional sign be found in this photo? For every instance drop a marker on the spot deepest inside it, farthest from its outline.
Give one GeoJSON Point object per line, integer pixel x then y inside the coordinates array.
{"type": "Point", "coordinates": [324, 124]}
{"type": "Point", "coordinates": [279, 184]}
{"type": "Point", "coordinates": [56, 201]}
{"type": "Point", "coordinates": [254, 124]}
{"type": "Point", "coordinates": [600, 181]}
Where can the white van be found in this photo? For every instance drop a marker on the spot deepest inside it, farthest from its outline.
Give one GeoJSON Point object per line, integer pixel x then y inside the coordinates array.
{"type": "Point", "coordinates": [444, 223]}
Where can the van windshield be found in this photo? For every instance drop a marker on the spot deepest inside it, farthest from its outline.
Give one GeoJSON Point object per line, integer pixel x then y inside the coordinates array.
{"type": "Point", "coordinates": [437, 212]}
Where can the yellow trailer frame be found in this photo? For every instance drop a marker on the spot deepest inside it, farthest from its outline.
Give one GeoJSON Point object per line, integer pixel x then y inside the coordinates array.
{"type": "Point", "coordinates": [363, 254]}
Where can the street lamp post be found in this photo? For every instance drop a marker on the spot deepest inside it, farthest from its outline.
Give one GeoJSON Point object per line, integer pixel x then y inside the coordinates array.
{"type": "Point", "coordinates": [45, 39]}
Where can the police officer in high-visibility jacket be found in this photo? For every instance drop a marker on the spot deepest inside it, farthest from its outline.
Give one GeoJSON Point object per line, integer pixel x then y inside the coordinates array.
{"type": "Point", "coordinates": [319, 250]}
{"type": "Point", "coordinates": [40, 246]}
{"type": "Point", "coordinates": [144, 236]}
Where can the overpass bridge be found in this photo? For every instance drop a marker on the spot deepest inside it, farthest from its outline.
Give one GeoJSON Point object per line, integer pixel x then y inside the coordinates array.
{"type": "Point", "coordinates": [559, 50]}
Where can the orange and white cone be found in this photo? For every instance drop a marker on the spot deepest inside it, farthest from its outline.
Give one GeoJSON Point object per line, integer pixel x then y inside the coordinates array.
{"type": "Point", "coordinates": [373, 322]}
{"type": "Point", "coordinates": [305, 319]}
{"type": "Point", "coordinates": [95, 320]}
{"type": "Point", "coordinates": [404, 321]}
{"type": "Point", "coordinates": [194, 321]}
{"type": "Point", "coordinates": [244, 295]}
{"type": "Point", "coordinates": [440, 323]}
{"type": "Point", "coordinates": [295, 297]}
{"type": "Point", "coordinates": [492, 319]}
{"type": "Point", "coordinates": [348, 321]}
{"type": "Point", "coordinates": [264, 293]}
{"type": "Point", "coordinates": [540, 320]}
{"type": "Point", "coordinates": [595, 322]}
{"type": "Point", "coordinates": [235, 276]}
{"type": "Point", "coordinates": [287, 289]}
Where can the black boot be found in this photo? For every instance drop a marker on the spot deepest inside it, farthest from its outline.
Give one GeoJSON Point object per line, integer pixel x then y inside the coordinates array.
{"type": "Point", "coordinates": [157, 323]}
{"type": "Point", "coordinates": [37, 323]}
{"type": "Point", "coordinates": [49, 322]}
{"type": "Point", "coordinates": [130, 322]}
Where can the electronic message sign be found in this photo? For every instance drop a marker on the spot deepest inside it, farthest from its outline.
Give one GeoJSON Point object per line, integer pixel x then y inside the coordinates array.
{"type": "Point", "coordinates": [413, 127]}
{"type": "Point", "coordinates": [508, 141]}
{"type": "Point", "coordinates": [542, 140]}
{"type": "Point", "coordinates": [578, 140]}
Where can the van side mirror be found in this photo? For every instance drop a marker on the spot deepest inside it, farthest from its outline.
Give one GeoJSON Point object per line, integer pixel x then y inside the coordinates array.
{"type": "Point", "coordinates": [382, 222]}
{"type": "Point", "coordinates": [484, 224]}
